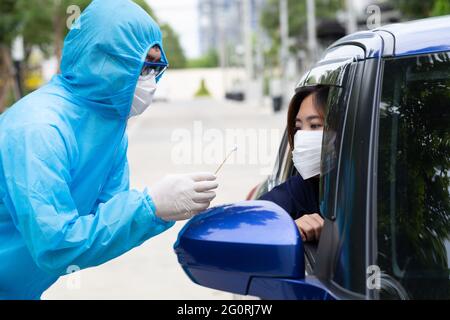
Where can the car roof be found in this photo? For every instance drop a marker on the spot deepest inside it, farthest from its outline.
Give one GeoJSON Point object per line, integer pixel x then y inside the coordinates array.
{"type": "Point", "coordinates": [402, 39]}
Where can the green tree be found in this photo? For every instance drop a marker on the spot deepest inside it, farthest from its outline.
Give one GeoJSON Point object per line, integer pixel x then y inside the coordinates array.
{"type": "Point", "coordinates": [209, 60]}
{"type": "Point", "coordinates": [43, 23]}
{"type": "Point", "coordinates": [203, 90]}
{"type": "Point", "coordinates": [270, 21]}
{"type": "Point", "coordinates": [172, 45]}
{"type": "Point", "coordinates": [11, 25]}
{"type": "Point", "coordinates": [173, 48]}
{"type": "Point", "coordinates": [441, 7]}
{"type": "Point", "coordinates": [416, 9]}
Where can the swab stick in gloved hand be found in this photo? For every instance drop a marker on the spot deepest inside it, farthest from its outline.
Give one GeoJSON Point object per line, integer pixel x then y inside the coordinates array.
{"type": "Point", "coordinates": [224, 161]}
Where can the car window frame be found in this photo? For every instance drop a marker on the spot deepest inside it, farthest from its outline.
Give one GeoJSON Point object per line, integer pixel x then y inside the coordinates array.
{"type": "Point", "coordinates": [358, 151]}
{"type": "Point", "coordinates": [326, 260]}
{"type": "Point", "coordinates": [333, 75]}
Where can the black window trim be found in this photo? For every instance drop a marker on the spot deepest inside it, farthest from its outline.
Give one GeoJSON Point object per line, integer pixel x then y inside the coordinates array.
{"type": "Point", "coordinates": [372, 183]}
{"type": "Point", "coordinates": [327, 273]}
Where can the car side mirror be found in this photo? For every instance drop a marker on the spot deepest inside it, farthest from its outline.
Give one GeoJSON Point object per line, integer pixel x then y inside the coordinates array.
{"type": "Point", "coordinates": [226, 246]}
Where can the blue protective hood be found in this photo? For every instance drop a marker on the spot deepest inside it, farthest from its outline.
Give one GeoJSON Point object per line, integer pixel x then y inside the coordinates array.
{"type": "Point", "coordinates": [103, 58]}
{"type": "Point", "coordinates": [65, 198]}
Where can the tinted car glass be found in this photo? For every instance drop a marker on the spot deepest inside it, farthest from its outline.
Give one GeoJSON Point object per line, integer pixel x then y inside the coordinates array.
{"type": "Point", "coordinates": [344, 194]}
{"type": "Point", "coordinates": [333, 133]}
{"type": "Point", "coordinates": [414, 177]}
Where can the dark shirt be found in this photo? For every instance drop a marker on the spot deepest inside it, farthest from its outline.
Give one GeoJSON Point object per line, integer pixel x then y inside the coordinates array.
{"type": "Point", "coordinates": [297, 196]}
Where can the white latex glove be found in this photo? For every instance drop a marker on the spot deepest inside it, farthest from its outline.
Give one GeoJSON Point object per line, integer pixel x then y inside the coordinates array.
{"type": "Point", "coordinates": [180, 197]}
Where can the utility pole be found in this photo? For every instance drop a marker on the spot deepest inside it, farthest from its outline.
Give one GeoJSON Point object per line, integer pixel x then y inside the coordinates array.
{"type": "Point", "coordinates": [352, 24]}
{"type": "Point", "coordinates": [18, 56]}
{"type": "Point", "coordinates": [284, 51]}
{"type": "Point", "coordinates": [312, 31]}
{"type": "Point", "coordinates": [222, 49]}
{"type": "Point", "coordinates": [249, 61]}
{"type": "Point", "coordinates": [259, 68]}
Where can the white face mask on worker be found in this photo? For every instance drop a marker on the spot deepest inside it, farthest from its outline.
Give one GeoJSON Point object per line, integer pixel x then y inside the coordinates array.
{"type": "Point", "coordinates": [307, 153]}
{"type": "Point", "coordinates": [143, 95]}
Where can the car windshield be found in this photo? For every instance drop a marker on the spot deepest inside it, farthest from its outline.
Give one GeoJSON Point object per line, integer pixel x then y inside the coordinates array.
{"type": "Point", "coordinates": [414, 177]}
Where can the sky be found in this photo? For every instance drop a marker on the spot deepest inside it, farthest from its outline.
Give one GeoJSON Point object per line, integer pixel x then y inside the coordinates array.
{"type": "Point", "coordinates": [183, 18]}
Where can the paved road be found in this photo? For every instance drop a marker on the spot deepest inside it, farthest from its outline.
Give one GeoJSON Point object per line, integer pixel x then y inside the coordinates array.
{"type": "Point", "coordinates": [151, 271]}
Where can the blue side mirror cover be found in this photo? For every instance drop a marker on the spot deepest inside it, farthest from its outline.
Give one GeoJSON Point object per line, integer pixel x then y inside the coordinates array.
{"type": "Point", "coordinates": [225, 246]}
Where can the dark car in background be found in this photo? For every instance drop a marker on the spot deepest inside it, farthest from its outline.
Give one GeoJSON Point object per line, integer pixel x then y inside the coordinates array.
{"type": "Point", "coordinates": [384, 190]}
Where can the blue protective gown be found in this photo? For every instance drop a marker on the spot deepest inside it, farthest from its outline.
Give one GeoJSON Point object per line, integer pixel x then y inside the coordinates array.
{"type": "Point", "coordinates": [64, 182]}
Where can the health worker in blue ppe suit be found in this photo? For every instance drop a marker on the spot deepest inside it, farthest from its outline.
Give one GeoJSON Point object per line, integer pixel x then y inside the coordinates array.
{"type": "Point", "coordinates": [64, 183]}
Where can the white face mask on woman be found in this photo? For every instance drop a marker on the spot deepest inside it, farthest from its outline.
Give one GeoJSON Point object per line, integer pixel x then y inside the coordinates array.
{"type": "Point", "coordinates": [307, 152]}
{"type": "Point", "coordinates": [143, 95]}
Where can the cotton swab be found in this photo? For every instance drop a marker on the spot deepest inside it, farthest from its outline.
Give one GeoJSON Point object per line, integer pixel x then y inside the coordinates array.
{"type": "Point", "coordinates": [228, 156]}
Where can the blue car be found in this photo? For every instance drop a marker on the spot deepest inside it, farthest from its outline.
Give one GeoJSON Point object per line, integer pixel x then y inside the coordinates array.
{"type": "Point", "coordinates": [384, 186]}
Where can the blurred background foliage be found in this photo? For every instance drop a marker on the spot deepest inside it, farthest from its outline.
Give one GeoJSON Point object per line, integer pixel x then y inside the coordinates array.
{"type": "Point", "coordinates": [326, 11]}
{"type": "Point", "coordinates": [43, 24]}
{"type": "Point", "coordinates": [209, 60]}
{"type": "Point", "coordinates": [25, 17]}
{"type": "Point", "coordinates": [415, 9]}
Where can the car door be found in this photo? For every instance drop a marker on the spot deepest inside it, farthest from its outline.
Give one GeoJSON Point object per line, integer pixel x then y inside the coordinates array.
{"type": "Point", "coordinates": [344, 251]}
{"type": "Point", "coordinates": [342, 69]}
{"type": "Point", "coordinates": [411, 238]}
{"type": "Point", "coordinates": [276, 269]}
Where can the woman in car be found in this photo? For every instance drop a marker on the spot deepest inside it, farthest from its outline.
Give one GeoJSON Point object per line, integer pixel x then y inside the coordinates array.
{"type": "Point", "coordinates": [299, 195]}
